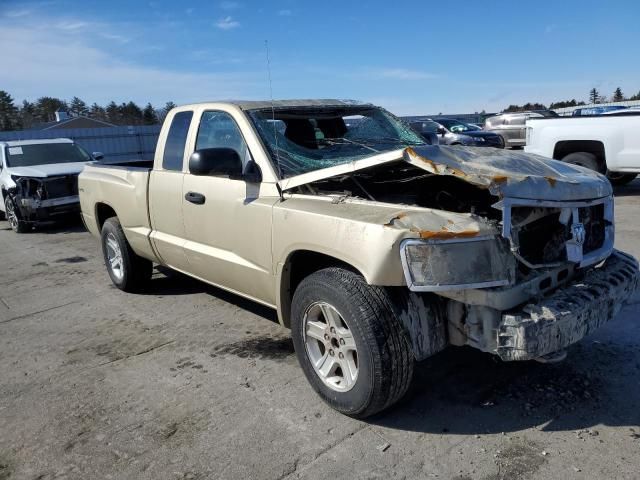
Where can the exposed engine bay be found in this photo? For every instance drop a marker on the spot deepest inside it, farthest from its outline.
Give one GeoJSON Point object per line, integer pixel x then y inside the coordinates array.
{"type": "Point", "coordinates": [38, 199]}
{"type": "Point", "coordinates": [540, 234]}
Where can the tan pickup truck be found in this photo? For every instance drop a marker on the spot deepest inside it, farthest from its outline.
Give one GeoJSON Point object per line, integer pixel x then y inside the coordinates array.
{"type": "Point", "coordinates": [375, 249]}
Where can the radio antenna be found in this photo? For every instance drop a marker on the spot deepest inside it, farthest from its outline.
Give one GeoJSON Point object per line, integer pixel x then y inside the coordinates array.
{"type": "Point", "coordinates": [273, 115]}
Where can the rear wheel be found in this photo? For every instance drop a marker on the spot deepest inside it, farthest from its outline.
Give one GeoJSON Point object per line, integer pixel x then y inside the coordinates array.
{"type": "Point", "coordinates": [583, 159]}
{"type": "Point", "coordinates": [349, 343]}
{"type": "Point", "coordinates": [621, 178]}
{"type": "Point", "coordinates": [13, 216]}
{"type": "Point", "coordinates": [128, 271]}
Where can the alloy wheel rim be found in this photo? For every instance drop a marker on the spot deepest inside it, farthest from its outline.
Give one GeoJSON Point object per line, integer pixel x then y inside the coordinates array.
{"type": "Point", "coordinates": [114, 256]}
{"type": "Point", "coordinates": [330, 347]}
{"type": "Point", "coordinates": [11, 214]}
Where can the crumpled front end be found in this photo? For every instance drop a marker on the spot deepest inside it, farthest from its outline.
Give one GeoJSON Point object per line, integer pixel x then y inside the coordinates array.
{"type": "Point", "coordinates": [43, 199]}
{"type": "Point", "coordinates": [549, 323]}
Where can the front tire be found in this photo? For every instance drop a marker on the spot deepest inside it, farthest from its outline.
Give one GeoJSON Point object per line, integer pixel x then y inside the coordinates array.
{"type": "Point", "coordinates": [583, 159]}
{"type": "Point", "coordinates": [128, 271]}
{"type": "Point", "coordinates": [349, 343]}
{"type": "Point", "coordinates": [13, 216]}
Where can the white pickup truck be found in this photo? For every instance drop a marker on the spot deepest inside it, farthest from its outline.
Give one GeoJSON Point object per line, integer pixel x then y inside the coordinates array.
{"type": "Point", "coordinates": [606, 143]}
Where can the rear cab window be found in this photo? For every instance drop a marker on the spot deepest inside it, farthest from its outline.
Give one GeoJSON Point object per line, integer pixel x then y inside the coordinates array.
{"type": "Point", "coordinates": [176, 141]}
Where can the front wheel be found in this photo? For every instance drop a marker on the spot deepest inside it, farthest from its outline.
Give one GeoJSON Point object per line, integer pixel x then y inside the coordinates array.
{"type": "Point", "coordinates": [128, 271]}
{"type": "Point", "coordinates": [13, 216]}
{"type": "Point", "coordinates": [349, 343]}
{"type": "Point", "coordinates": [583, 159]}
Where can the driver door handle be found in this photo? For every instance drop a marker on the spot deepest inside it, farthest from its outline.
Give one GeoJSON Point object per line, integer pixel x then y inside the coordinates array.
{"type": "Point", "coordinates": [195, 197]}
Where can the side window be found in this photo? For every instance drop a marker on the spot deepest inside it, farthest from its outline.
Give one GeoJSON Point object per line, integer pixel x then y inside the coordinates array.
{"type": "Point", "coordinates": [219, 130]}
{"type": "Point", "coordinates": [176, 140]}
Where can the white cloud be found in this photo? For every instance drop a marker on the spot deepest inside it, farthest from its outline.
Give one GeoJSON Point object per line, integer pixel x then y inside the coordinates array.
{"type": "Point", "coordinates": [285, 13]}
{"type": "Point", "coordinates": [75, 68]}
{"type": "Point", "coordinates": [115, 37]}
{"type": "Point", "coordinates": [72, 25]}
{"type": "Point", "coordinates": [227, 23]}
{"type": "Point", "coordinates": [17, 13]}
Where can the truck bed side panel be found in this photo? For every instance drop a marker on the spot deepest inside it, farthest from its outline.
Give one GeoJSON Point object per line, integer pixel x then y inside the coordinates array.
{"type": "Point", "coordinates": [124, 189]}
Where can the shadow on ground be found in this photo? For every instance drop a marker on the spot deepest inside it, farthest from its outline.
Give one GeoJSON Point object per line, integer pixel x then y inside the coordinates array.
{"type": "Point", "coordinates": [464, 391]}
{"type": "Point", "coordinates": [170, 282]}
{"type": "Point", "coordinates": [630, 190]}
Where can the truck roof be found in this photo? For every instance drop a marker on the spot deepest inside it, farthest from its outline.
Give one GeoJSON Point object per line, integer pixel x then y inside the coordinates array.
{"type": "Point", "coordinates": [17, 143]}
{"type": "Point", "coordinates": [263, 104]}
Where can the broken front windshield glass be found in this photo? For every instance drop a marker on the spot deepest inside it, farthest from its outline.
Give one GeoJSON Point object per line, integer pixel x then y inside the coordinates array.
{"type": "Point", "coordinates": [303, 139]}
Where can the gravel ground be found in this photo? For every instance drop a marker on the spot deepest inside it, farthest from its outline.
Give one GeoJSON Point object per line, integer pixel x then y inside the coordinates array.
{"type": "Point", "coordinates": [188, 382]}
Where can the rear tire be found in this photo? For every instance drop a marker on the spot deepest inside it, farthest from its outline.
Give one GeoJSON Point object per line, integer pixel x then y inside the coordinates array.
{"type": "Point", "coordinates": [583, 159]}
{"type": "Point", "coordinates": [13, 217]}
{"type": "Point", "coordinates": [621, 178]}
{"type": "Point", "coordinates": [380, 360]}
{"type": "Point", "coordinates": [128, 271]}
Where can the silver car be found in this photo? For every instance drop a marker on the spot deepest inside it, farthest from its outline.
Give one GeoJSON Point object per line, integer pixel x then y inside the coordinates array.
{"type": "Point", "coordinates": [454, 132]}
{"type": "Point", "coordinates": [511, 126]}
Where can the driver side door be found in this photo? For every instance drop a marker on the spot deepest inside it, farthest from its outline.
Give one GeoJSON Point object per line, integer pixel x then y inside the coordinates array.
{"type": "Point", "coordinates": [227, 224]}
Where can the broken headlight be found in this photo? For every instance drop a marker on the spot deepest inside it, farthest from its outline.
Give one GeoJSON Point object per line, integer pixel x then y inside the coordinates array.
{"type": "Point", "coordinates": [457, 263]}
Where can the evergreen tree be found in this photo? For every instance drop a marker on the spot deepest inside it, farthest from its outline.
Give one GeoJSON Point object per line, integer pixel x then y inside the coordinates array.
{"type": "Point", "coordinates": [78, 107]}
{"type": "Point", "coordinates": [167, 108]}
{"type": "Point", "coordinates": [45, 108]}
{"type": "Point", "coordinates": [9, 119]}
{"type": "Point", "coordinates": [594, 96]}
{"type": "Point", "coordinates": [97, 112]}
{"type": "Point", "coordinates": [149, 115]}
{"type": "Point", "coordinates": [635, 97]}
{"type": "Point", "coordinates": [113, 113]}
{"type": "Point", "coordinates": [27, 114]}
{"type": "Point", "coordinates": [617, 95]}
{"type": "Point", "coordinates": [131, 113]}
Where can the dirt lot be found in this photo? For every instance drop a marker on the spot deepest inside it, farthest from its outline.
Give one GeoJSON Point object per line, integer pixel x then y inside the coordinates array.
{"type": "Point", "coordinates": [188, 382]}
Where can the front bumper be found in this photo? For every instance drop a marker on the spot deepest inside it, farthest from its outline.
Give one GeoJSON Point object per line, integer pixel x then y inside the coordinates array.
{"type": "Point", "coordinates": [570, 313]}
{"type": "Point", "coordinates": [34, 210]}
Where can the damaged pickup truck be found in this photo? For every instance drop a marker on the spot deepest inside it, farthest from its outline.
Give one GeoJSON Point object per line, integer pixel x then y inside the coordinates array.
{"type": "Point", "coordinates": [39, 180]}
{"type": "Point", "coordinates": [375, 249]}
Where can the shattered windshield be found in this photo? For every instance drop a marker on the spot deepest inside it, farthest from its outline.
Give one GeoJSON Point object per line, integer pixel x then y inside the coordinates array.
{"type": "Point", "coordinates": [44, 154]}
{"type": "Point", "coordinates": [302, 139]}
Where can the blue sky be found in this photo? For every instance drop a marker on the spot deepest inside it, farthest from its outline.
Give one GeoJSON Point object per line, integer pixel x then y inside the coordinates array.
{"type": "Point", "coordinates": [411, 57]}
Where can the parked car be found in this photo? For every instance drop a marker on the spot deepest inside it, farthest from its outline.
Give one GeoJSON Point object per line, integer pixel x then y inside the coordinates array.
{"type": "Point", "coordinates": [375, 248]}
{"type": "Point", "coordinates": [579, 112]}
{"type": "Point", "coordinates": [624, 111]}
{"type": "Point", "coordinates": [605, 143]}
{"type": "Point", "coordinates": [39, 180]}
{"type": "Point", "coordinates": [511, 126]}
{"type": "Point", "coordinates": [454, 132]}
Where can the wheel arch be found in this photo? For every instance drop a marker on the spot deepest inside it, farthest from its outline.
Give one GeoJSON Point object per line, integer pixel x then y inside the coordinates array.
{"type": "Point", "coordinates": [299, 264]}
{"type": "Point", "coordinates": [566, 147]}
{"type": "Point", "coordinates": [103, 211]}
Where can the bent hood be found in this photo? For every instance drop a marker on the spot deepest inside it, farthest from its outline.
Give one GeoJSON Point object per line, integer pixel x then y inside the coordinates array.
{"type": "Point", "coordinates": [50, 170]}
{"type": "Point", "coordinates": [511, 174]}
{"type": "Point", "coordinates": [505, 173]}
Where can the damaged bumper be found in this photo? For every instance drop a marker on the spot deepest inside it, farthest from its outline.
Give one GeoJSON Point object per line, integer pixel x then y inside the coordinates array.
{"type": "Point", "coordinates": [43, 199]}
{"type": "Point", "coordinates": [570, 313]}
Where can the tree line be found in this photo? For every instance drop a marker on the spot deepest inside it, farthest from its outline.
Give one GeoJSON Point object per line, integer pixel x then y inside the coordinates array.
{"type": "Point", "coordinates": [594, 97]}
{"type": "Point", "coordinates": [30, 114]}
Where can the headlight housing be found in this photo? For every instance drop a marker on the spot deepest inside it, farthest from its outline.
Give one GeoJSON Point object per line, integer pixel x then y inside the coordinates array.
{"type": "Point", "coordinates": [457, 264]}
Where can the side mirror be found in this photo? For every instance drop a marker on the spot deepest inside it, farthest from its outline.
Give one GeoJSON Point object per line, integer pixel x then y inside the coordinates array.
{"type": "Point", "coordinates": [441, 131]}
{"type": "Point", "coordinates": [97, 155]}
{"type": "Point", "coordinates": [251, 174]}
{"type": "Point", "coordinates": [215, 161]}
